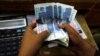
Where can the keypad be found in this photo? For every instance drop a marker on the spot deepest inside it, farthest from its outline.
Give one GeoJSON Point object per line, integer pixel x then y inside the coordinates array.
{"type": "Point", "coordinates": [10, 41]}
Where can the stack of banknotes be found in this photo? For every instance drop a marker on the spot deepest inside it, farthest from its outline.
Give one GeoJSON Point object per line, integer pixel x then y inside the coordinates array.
{"type": "Point", "coordinates": [49, 15]}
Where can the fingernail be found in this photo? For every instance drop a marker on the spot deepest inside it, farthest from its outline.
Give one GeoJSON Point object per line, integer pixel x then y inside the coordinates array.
{"type": "Point", "coordinates": [60, 24]}
{"type": "Point", "coordinates": [48, 31]}
{"type": "Point", "coordinates": [33, 21]}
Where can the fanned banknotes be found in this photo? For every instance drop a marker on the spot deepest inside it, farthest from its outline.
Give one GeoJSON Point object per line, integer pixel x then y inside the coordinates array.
{"type": "Point", "coordinates": [49, 15]}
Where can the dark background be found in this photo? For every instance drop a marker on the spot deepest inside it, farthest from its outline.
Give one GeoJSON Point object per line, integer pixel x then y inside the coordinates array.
{"type": "Point", "coordinates": [90, 9]}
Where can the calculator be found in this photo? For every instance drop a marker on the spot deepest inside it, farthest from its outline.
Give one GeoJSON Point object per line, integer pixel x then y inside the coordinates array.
{"type": "Point", "coordinates": [11, 33]}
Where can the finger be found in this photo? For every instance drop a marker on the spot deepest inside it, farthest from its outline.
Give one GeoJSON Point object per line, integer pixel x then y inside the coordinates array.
{"type": "Point", "coordinates": [33, 21]}
{"type": "Point", "coordinates": [31, 26]}
{"type": "Point", "coordinates": [73, 34]}
{"type": "Point", "coordinates": [67, 28]}
{"type": "Point", "coordinates": [75, 40]}
{"type": "Point", "coordinates": [29, 29]}
{"type": "Point", "coordinates": [44, 34]}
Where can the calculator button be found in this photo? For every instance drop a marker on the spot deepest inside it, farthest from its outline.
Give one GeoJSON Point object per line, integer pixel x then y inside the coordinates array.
{"type": "Point", "coordinates": [19, 34]}
{"type": "Point", "coordinates": [8, 35]}
{"type": "Point", "coordinates": [8, 31]}
{"type": "Point", "coordinates": [14, 43]}
{"type": "Point", "coordinates": [8, 48]}
{"type": "Point", "coordinates": [23, 30]}
{"type": "Point", "coordinates": [19, 30]}
{"type": "Point", "coordinates": [2, 54]}
{"type": "Point", "coordinates": [8, 53]}
{"type": "Point", "coordinates": [13, 34]}
{"type": "Point", "coordinates": [2, 36]}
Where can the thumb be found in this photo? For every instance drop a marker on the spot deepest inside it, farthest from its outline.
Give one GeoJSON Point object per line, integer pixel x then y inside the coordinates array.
{"type": "Point", "coordinates": [44, 34]}
{"type": "Point", "coordinates": [31, 27]}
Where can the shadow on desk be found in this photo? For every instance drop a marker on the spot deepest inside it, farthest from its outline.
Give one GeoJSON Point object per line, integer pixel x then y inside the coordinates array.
{"type": "Point", "coordinates": [55, 51]}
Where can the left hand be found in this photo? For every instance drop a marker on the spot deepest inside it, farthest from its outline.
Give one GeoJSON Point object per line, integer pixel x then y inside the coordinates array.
{"type": "Point", "coordinates": [32, 41]}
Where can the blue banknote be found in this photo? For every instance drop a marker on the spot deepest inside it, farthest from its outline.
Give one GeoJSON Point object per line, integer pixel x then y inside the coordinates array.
{"type": "Point", "coordinates": [42, 14]}
{"type": "Point", "coordinates": [53, 14]}
{"type": "Point", "coordinates": [46, 14]}
{"type": "Point", "coordinates": [79, 29]}
{"type": "Point", "coordinates": [66, 14]}
{"type": "Point", "coordinates": [50, 27]}
{"type": "Point", "coordinates": [49, 15]}
{"type": "Point", "coordinates": [59, 11]}
{"type": "Point", "coordinates": [49, 12]}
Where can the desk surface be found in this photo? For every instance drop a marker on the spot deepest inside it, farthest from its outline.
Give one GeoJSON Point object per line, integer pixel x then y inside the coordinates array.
{"type": "Point", "coordinates": [63, 51]}
{"type": "Point", "coordinates": [87, 31]}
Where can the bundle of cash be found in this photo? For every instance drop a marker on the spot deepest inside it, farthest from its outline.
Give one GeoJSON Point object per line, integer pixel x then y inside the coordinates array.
{"type": "Point", "coordinates": [49, 15]}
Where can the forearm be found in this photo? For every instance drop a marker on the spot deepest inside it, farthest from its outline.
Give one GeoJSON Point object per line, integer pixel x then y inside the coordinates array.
{"type": "Point", "coordinates": [30, 46]}
{"type": "Point", "coordinates": [87, 50]}
{"type": "Point", "coordinates": [32, 41]}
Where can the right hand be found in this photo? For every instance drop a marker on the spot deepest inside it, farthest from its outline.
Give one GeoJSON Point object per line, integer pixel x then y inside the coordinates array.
{"type": "Point", "coordinates": [77, 44]}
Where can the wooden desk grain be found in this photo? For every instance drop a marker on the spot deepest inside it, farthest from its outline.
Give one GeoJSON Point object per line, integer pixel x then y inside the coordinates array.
{"type": "Point", "coordinates": [87, 31]}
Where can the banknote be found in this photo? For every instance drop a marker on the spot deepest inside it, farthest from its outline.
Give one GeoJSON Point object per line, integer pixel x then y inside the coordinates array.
{"type": "Point", "coordinates": [74, 23]}
{"type": "Point", "coordinates": [73, 14]}
{"type": "Point", "coordinates": [66, 13]}
{"type": "Point", "coordinates": [49, 15]}
{"type": "Point", "coordinates": [55, 11]}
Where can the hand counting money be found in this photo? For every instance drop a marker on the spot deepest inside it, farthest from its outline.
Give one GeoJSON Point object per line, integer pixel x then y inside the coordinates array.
{"type": "Point", "coordinates": [49, 15]}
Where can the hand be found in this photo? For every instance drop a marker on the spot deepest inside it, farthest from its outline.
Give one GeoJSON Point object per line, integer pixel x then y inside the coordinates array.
{"type": "Point", "coordinates": [32, 41]}
{"type": "Point", "coordinates": [77, 44]}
